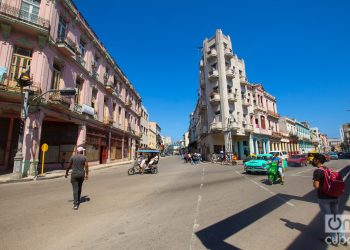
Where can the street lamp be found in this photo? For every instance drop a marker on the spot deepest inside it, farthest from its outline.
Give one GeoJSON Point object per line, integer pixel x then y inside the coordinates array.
{"type": "Point", "coordinates": [24, 81]}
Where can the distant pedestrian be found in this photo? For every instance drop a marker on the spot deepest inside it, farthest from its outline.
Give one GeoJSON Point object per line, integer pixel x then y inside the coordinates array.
{"type": "Point", "coordinates": [80, 170]}
{"type": "Point", "coordinates": [329, 205]}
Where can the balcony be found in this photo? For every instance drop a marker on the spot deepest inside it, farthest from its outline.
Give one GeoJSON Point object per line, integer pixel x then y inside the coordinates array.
{"type": "Point", "coordinates": [216, 126]}
{"type": "Point", "coordinates": [214, 97]}
{"type": "Point", "coordinates": [213, 75]}
{"type": "Point", "coordinates": [248, 128]}
{"type": "Point", "coordinates": [273, 114]}
{"type": "Point", "coordinates": [78, 108]}
{"type": "Point", "coordinates": [80, 60]}
{"type": "Point", "coordinates": [228, 53]}
{"type": "Point", "coordinates": [232, 97]}
{"type": "Point", "coordinates": [23, 18]}
{"type": "Point", "coordinates": [95, 75]}
{"type": "Point", "coordinates": [65, 46]}
{"type": "Point", "coordinates": [57, 99]}
{"type": "Point", "coordinates": [128, 103]}
{"type": "Point", "coordinates": [203, 104]}
{"type": "Point", "coordinates": [234, 125]}
{"type": "Point", "coordinates": [259, 108]}
{"type": "Point", "coordinates": [212, 54]}
{"type": "Point", "coordinates": [276, 134]}
{"type": "Point", "coordinates": [230, 74]}
{"type": "Point", "coordinates": [246, 103]}
{"type": "Point", "coordinates": [109, 87]}
{"type": "Point", "coordinates": [243, 80]}
{"type": "Point", "coordinates": [107, 120]}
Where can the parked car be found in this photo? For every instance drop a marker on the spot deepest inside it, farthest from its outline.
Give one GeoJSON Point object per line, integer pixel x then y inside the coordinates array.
{"type": "Point", "coordinates": [249, 158]}
{"type": "Point", "coordinates": [333, 155]}
{"type": "Point", "coordinates": [328, 158]}
{"type": "Point", "coordinates": [297, 160]}
{"type": "Point", "coordinates": [343, 155]}
{"type": "Point", "coordinates": [281, 154]}
{"type": "Point", "coordinates": [259, 165]}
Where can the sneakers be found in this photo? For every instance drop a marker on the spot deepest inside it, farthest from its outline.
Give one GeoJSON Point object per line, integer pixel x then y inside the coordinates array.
{"type": "Point", "coordinates": [75, 207]}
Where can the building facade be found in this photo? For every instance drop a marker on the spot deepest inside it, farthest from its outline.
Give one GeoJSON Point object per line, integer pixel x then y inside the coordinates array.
{"type": "Point", "coordinates": [54, 42]}
{"type": "Point", "coordinates": [231, 114]}
{"type": "Point", "coordinates": [144, 127]}
{"type": "Point", "coordinates": [345, 137]}
{"type": "Point", "coordinates": [152, 135]}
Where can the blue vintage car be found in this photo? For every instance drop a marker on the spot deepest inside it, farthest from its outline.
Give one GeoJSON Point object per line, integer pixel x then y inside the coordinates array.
{"type": "Point", "coordinates": [259, 165]}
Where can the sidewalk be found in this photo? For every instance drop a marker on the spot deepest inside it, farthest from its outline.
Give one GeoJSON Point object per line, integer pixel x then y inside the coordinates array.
{"type": "Point", "coordinates": [7, 178]}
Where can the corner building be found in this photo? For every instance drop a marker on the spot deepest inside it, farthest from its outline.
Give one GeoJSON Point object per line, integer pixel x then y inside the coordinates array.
{"type": "Point", "coordinates": [229, 108]}
{"type": "Point", "coordinates": [62, 51]}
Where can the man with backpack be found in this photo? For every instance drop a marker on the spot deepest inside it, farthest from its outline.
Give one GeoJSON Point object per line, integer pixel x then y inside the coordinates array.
{"type": "Point", "coordinates": [330, 186]}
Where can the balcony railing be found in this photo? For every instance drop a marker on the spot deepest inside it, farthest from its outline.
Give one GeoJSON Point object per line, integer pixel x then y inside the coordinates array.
{"type": "Point", "coordinates": [273, 114]}
{"type": "Point", "coordinates": [246, 102]}
{"type": "Point", "coordinates": [232, 97]}
{"type": "Point", "coordinates": [214, 97]}
{"type": "Point", "coordinates": [80, 60]}
{"type": "Point", "coordinates": [214, 74]}
{"type": "Point", "coordinates": [56, 98]}
{"type": "Point", "coordinates": [109, 87]}
{"type": "Point", "coordinates": [228, 52]}
{"type": "Point", "coordinates": [229, 73]}
{"type": "Point", "coordinates": [128, 103]}
{"type": "Point", "coordinates": [215, 126]}
{"type": "Point", "coordinates": [107, 120]}
{"type": "Point", "coordinates": [65, 46]}
{"type": "Point", "coordinates": [24, 16]}
{"type": "Point", "coordinates": [212, 53]}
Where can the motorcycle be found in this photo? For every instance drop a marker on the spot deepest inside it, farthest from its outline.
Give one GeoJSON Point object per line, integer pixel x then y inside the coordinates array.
{"type": "Point", "coordinates": [273, 176]}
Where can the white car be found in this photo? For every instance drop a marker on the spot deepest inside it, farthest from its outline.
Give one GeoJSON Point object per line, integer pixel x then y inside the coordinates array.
{"type": "Point", "coordinates": [281, 154]}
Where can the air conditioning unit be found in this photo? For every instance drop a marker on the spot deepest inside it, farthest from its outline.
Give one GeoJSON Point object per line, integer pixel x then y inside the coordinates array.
{"type": "Point", "coordinates": [87, 110]}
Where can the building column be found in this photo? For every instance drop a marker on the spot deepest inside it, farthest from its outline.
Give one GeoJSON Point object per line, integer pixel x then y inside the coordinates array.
{"type": "Point", "coordinates": [123, 156]}
{"type": "Point", "coordinates": [241, 150]}
{"type": "Point", "coordinates": [268, 146]}
{"type": "Point", "coordinates": [264, 146]}
{"type": "Point", "coordinates": [109, 147]}
{"type": "Point", "coordinates": [8, 144]}
{"type": "Point", "coordinates": [251, 144]}
{"type": "Point", "coordinates": [31, 143]}
{"type": "Point", "coordinates": [81, 141]}
{"type": "Point", "coordinates": [256, 147]}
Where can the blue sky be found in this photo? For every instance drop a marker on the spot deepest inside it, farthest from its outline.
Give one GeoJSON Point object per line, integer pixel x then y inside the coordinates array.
{"type": "Point", "coordinates": [299, 50]}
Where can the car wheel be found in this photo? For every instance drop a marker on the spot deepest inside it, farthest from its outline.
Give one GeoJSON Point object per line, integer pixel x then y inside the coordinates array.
{"type": "Point", "coordinates": [248, 172]}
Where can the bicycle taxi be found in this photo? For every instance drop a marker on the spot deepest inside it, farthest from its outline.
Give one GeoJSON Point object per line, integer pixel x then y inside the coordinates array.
{"type": "Point", "coordinates": [146, 162]}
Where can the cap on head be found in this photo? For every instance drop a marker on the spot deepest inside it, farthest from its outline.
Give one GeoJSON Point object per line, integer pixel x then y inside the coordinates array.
{"type": "Point", "coordinates": [80, 149]}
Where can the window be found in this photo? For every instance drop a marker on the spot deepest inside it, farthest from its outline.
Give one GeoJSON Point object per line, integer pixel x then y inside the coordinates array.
{"type": "Point", "coordinates": [30, 10]}
{"type": "Point", "coordinates": [82, 49]}
{"type": "Point", "coordinates": [94, 99]}
{"type": "Point", "coordinates": [62, 28]}
{"type": "Point", "coordinates": [256, 122]}
{"type": "Point", "coordinates": [56, 77]}
{"type": "Point", "coordinates": [79, 86]}
{"type": "Point", "coordinates": [114, 107]}
{"type": "Point", "coordinates": [21, 59]}
{"type": "Point", "coordinates": [263, 126]}
{"type": "Point", "coordinates": [119, 115]}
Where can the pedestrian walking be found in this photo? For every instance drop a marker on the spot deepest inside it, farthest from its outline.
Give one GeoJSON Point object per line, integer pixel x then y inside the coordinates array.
{"type": "Point", "coordinates": [63, 159]}
{"type": "Point", "coordinates": [329, 205]}
{"type": "Point", "coordinates": [80, 171]}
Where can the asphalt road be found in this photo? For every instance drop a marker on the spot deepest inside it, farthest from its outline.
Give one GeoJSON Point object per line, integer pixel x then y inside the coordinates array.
{"type": "Point", "coordinates": [182, 207]}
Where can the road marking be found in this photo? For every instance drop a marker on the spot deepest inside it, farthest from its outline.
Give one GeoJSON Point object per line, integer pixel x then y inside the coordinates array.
{"type": "Point", "coordinates": [266, 189]}
{"type": "Point", "coordinates": [195, 224]}
{"type": "Point", "coordinates": [297, 174]}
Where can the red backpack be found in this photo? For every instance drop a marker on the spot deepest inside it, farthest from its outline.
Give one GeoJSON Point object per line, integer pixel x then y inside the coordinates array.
{"type": "Point", "coordinates": [333, 184]}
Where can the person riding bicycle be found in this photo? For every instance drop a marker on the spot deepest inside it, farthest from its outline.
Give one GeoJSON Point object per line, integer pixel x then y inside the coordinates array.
{"type": "Point", "coordinates": [280, 168]}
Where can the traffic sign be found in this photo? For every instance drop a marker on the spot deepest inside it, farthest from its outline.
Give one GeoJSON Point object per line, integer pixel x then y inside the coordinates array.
{"type": "Point", "coordinates": [44, 147]}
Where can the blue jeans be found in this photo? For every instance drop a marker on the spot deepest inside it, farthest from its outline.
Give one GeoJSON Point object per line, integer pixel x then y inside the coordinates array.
{"type": "Point", "coordinates": [331, 206]}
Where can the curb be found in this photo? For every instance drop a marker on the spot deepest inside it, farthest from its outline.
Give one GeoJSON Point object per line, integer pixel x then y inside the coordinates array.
{"type": "Point", "coordinates": [38, 178]}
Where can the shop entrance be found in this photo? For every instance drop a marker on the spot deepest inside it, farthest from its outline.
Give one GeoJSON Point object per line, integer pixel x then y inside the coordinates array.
{"type": "Point", "coordinates": [103, 154]}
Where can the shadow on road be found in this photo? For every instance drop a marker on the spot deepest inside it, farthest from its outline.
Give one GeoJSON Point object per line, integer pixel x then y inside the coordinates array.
{"type": "Point", "coordinates": [213, 237]}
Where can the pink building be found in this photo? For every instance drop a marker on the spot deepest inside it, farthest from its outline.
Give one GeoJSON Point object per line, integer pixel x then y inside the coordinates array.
{"type": "Point", "coordinates": [54, 40]}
